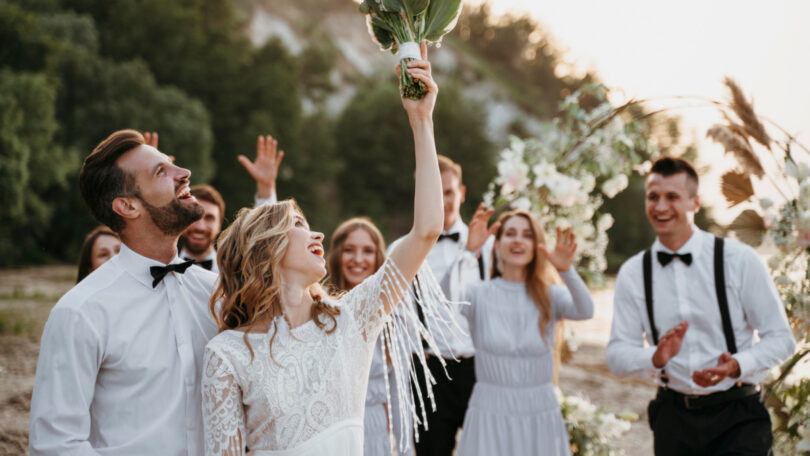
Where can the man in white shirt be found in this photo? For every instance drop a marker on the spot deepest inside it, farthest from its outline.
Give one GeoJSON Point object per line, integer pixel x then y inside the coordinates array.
{"type": "Point", "coordinates": [461, 255]}
{"type": "Point", "coordinates": [121, 354]}
{"type": "Point", "coordinates": [197, 241]}
{"type": "Point", "coordinates": [700, 303]}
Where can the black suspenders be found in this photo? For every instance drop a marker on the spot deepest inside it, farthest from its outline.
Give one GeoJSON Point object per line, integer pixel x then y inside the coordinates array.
{"type": "Point", "coordinates": [720, 289]}
{"type": "Point", "coordinates": [720, 286]}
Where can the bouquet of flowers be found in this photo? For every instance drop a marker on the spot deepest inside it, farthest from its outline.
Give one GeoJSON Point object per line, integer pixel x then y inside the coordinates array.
{"type": "Point", "coordinates": [592, 428]}
{"type": "Point", "coordinates": [771, 183]}
{"type": "Point", "coordinates": [581, 157]}
{"type": "Point", "coordinates": [400, 25]}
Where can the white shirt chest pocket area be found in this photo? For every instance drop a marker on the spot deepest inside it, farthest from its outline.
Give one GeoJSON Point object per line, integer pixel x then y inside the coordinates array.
{"type": "Point", "coordinates": [131, 360]}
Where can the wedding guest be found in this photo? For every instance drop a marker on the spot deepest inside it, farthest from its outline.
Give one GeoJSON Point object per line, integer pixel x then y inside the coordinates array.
{"type": "Point", "coordinates": [288, 372]}
{"type": "Point", "coordinates": [121, 354]}
{"type": "Point", "coordinates": [513, 409]}
{"type": "Point", "coordinates": [461, 254]}
{"type": "Point", "coordinates": [356, 251]}
{"type": "Point", "coordinates": [99, 245]}
{"type": "Point", "coordinates": [197, 241]}
{"type": "Point", "coordinates": [712, 321]}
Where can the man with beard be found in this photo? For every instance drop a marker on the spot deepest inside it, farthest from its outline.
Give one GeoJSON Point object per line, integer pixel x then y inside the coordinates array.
{"type": "Point", "coordinates": [121, 354]}
{"type": "Point", "coordinates": [197, 241]}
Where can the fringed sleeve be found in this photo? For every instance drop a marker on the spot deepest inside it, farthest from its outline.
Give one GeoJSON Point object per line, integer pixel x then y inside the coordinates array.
{"type": "Point", "coordinates": [405, 334]}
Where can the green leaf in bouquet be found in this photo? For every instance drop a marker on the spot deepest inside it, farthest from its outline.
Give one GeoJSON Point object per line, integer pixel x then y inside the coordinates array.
{"type": "Point", "coordinates": [441, 17]}
{"type": "Point", "coordinates": [382, 36]}
{"type": "Point", "coordinates": [379, 23]}
{"type": "Point", "coordinates": [395, 6]}
{"type": "Point", "coordinates": [415, 7]}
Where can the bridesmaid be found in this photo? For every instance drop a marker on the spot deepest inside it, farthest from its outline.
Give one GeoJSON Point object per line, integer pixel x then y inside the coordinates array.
{"type": "Point", "coordinates": [99, 245]}
{"type": "Point", "coordinates": [356, 251]}
{"type": "Point", "coordinates": [513, 409]}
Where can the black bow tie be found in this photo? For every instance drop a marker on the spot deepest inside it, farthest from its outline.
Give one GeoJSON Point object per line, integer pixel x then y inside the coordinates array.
{"type": "Point", "coordinates": [207, 264]}
{"type": "Point", "coordinates": [452, 236]}
{"type": "Point", "coordinates": [159, 272]}
{"type": "Point", "coordinates": [665, 258]}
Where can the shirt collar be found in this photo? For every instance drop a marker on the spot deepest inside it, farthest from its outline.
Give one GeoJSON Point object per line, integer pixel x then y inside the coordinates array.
{"type": "Point", "coordinates": [458, 227]}
{"type": "Point", "coordinates": [138, 265]}
{"type": "Point", "coordinates": [693, 245]}
{"type": "Point", "coordinates": [211, 256]}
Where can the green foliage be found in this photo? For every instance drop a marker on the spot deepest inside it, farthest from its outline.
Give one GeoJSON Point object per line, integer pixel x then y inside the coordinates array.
{"type": "Point", "coordinates": [630, 233]}
{"type": "Point", "coordinates": [376, 147]}
{"type": "Point", "coordinates": [30, 163]}
{"type": "Point", "coordinates": [68, 100]}
{"type": "Point", "coordinates": [520, 57]}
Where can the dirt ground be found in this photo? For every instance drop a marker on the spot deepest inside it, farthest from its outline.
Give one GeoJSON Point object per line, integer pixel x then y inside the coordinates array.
{"type": "Point", "coordinates": [26, 296]}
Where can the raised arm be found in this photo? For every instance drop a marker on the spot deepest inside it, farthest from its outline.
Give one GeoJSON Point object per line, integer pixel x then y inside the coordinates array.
{"type": "Point", "coordinates": [264, 169]}
{"type": "Point", "coordinates": [428, 211]}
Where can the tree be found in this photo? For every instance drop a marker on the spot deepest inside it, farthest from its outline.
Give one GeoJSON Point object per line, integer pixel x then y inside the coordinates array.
{"type": "Point", "coordinates": [374, 140]}
{"type": "Point", "coordinates": [30, 164]}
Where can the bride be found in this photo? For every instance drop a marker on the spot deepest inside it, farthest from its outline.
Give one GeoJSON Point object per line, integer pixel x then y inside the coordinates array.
{"type": "Point", "coordinates": [287, 374]}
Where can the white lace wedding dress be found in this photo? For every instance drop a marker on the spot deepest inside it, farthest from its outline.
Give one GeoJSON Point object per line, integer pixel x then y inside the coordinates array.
{"type": "Point", "coordinates": [308, 397]}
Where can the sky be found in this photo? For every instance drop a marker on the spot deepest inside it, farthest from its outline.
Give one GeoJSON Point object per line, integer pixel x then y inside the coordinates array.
{"type": "Point", "coordinates": [649, 49]}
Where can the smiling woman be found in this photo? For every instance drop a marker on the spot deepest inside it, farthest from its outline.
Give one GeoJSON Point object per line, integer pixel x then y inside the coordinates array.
{"type": "Point", "coordinates": [511, 318]}
{"type": "Point", "coordinates": [100, 245]}
{"type": "Point", "coordinates": [288, 372]}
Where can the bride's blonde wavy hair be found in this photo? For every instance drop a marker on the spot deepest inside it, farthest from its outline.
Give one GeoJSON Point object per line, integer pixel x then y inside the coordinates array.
{"type": "Point", "coordinates": [249, 254]}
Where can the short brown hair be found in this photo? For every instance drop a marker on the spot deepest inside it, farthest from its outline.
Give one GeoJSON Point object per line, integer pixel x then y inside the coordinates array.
{"type": "Point", "coordinates": [101, 180]}
{"type": "Point", "coordinates": [208, 193]}
{"type": "Point", "coordinates": [446, 164]}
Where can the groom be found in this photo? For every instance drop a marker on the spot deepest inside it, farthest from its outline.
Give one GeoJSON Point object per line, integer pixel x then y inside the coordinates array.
{"type": "Point", "coordinates": [121, 354]}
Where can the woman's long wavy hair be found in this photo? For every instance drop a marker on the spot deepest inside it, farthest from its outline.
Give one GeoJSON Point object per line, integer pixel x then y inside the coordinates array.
{"type": "Point", "coordinates": [540, 273]}
{"type": "Point", "coordinates": [249, 254]}
{"type": "Point", "coordinates": [337, 282]}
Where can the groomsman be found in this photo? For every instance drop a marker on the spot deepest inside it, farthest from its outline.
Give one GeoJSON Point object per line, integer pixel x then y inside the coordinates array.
{"type": "Point", "coordinates": [121, 354]}
{"type": "Point", "coordinates": [197, 241]}
{"type": "Point", "coordinates": [712, 321]}
{"type": "Point", "coordinates": [461, 255]}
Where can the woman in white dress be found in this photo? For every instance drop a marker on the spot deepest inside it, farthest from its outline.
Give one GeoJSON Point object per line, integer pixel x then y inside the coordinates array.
{"type": "Point", "coordinates": [288, 372]}
{"type": "Point", "coordinates": [357, 250]}
{"type": "Point", "coordinates": [513, 409]}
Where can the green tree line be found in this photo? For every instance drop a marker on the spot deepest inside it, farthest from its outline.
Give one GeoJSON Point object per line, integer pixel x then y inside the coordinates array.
{"type": "Point", "coordinates": [72, 71]}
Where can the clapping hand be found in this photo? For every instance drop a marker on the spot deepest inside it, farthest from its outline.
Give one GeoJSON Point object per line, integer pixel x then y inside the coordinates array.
{"type": "Point", "coordinates": [264, 169]}
{"type": "Point", "coordinates": [479, 232]}
{"type": "Point", "coordinates": [727, 366]}
{"type": "Point", "coordinates": [669, 345]}
{"type": "Point", "coordinates": [420, 71]}
{"type": "Point", "coordinates": [563, 254]}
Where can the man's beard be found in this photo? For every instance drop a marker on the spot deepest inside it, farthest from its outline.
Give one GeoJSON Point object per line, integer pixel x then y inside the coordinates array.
{"type": "Point", "coordinates": [173, 218]}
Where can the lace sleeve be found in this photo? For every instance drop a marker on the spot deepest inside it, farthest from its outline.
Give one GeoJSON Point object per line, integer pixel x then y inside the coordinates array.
{"type": "Point", "coordinates": [421, 315]}
{"type": "Point", "coordinates": [223, 415]}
